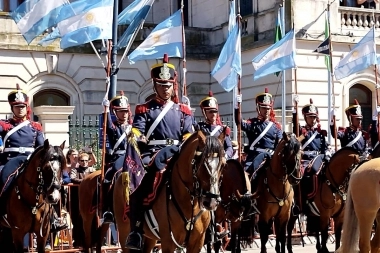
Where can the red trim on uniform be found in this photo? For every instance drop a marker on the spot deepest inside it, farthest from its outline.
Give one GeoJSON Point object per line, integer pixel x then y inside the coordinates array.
{"type": "Point", "coordinates": [36, 125]}
{"type": "Point", "coordinates": [5, 125]}
{"type": "Point", "coordinates": [156, 184]}
{"type": "Point", "coordinates": [228, 131]}
{"type": "Point", "coordinates": [185, 109]}
{"type": "Point", "coordinates": [143, 108]}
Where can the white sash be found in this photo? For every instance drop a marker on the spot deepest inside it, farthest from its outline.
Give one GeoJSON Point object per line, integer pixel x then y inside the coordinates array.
{"type": "Point", "coordinates": [159, 118]}
{"type": "Point", "coordinates": [216, 129]}
{"type": "Point", "coordinates": [355, 140]}
{"type": "Point", "coordinates": [19, 126]}
{"type": "Point", "coordinates": [310, 140]}
{"type": "Point", "coordinates": [122, 137]}
{"type": "Point", "coordinates": [252, 147]}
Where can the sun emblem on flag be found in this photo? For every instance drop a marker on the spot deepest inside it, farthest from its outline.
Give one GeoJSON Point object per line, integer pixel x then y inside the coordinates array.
{"type": "Point", "coordinates": [123, 102]}
{"type": "Point", "coordinates": [266, 99]}
{"type": "Point", "coordinates": [165, 72]}
{"type": "Point", "coordinates": [89, 17]}
{"type": "Point", "coordinates": [355, 54]}
{"type": "Point", "coordinates": [19, 97]}
{"type": "Point", "coordinates": [156, 38]}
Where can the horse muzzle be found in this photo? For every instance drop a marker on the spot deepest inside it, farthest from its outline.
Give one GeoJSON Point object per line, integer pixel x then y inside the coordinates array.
{"type": "Point", "coordinates": [54, 197]}
{"type": "Point", "coordinates": [210, 201]}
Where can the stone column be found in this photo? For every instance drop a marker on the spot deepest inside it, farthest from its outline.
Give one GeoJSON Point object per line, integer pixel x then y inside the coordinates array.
{"type": "Point", "coordinates": [55, 122]}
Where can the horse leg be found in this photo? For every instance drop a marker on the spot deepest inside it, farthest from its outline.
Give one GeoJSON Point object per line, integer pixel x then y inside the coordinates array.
{"type": "Point", "coordinates": [365, 219]}
{"type": "Point", "coordinates": [264, 235]}
{"type": "Point", "coordinates": [375, 242]}
{"type": "Point", "coordinates": [324, 237]}
{"type": "Point", "coordinates": [290, 227]}
{"type": "Point", "coordinates": [338, 225]}
{"type": "Point", "coordinates": [209, 247]}
{"type": "Point", "coordinates": [41, 243]}
{"type": "Point", "coordinates": [101, 234]}
{"type": "Point", "coordinates": [18, 241]}
{"type": "Point", "coordinates": [280, 228]}
{"type": "Point", "coordinates": [217, 246]}
{"type": "Point", "coordinates": [87, 227]}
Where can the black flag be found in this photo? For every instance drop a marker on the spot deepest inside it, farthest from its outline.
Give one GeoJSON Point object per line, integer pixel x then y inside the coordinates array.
{"type": "Point", "coordinates": [323, 48]}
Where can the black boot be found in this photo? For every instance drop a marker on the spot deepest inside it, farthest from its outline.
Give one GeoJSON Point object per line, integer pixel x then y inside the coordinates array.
{"type": "Point", "coordinates": [57, 223]}
{"type": "Point", "coordinates": [107, 203]}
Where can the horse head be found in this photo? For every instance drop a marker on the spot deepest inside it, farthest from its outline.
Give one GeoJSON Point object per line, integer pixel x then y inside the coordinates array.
{"type": "Point", "coordinates": [288, 157]}
{"type": "Point", "coordinates": [49, 161]}
{"type": "Point", "coordinates": [207, 165]}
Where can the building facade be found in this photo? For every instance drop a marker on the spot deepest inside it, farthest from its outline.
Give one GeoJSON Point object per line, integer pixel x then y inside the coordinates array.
{"type": "Point", "coordinates": [75, 77]}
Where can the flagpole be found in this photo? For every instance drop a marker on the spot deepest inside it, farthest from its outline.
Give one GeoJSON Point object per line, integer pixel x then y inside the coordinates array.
{"type": "Point", "coordinates": [296, 104]}
{"type": "Point", "coordinates": [184, 84]}
{"type": "Point", "coordinates": [239, 91]}
{"type": "Point", "coordinates": [114, 69]}
{"type": "Point", "coordinates": [283, 88]}
{"type": "Point", "coordinates": [377, 105]}
{"type": "Point", "coordinates": [331, 97]}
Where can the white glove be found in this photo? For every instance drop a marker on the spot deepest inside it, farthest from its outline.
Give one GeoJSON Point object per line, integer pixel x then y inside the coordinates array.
{"type": "Point", "coordinates": [374, 117]}
{"type": "Point", "coordinates": [328, 153]}
{"type": "Point", "coordinates": [296, 98]}
{"type": "Point", "coordinates": [294, 110]}
{"type": "Point", "coordinates": [238, 101]}
{"type": "Point", "coordinates": [378, 109]}
{"type": "Point", "coordinates": [106, 102]}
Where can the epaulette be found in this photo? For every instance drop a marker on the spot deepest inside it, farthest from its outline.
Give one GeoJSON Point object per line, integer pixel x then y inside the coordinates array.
{"type": "Point", "coordinates": [303, 131]}
{"type": "Point", "coordinates": [5, 125]}
{"type": "Point", "coordinates": [185, 109]}
{"type": "Point", "coordinates": [136, 132]}
{"type": "Point", "coordinates": [142, 108]}
{"type": "Point", "coordinates": [36, 125]}
{"type": "Point", "coordinates": [323, 132]}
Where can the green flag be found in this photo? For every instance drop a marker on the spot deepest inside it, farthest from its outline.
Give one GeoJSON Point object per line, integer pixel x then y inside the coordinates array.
{"type": "Point", "coordinates": [278, 31]}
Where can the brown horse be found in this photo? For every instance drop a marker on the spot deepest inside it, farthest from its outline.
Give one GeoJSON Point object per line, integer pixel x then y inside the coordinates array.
{"type": "Point", "coordinates": [330, 197]}
{"type": "Point", "coordinates": [191, 188]}
{"type": "Point", "coordinates": [30, 198]}
{"type": "Point", "coordinates": [234, 206]}
{"type": "Point", "coordinates": [87, 191]}
{"type": "Point", "coordinates": [362, 208]}
{"type": "Point", "coordinates": [276, 192]}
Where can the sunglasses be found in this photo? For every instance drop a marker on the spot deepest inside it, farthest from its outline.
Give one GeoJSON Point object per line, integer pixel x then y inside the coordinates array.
{"type": "Point", "coordinates": [83, 161]}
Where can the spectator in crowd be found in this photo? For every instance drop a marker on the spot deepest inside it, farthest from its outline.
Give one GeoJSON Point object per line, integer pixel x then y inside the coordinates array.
{"type": "Point", "coordinates": [72, 158]}
{"type": "Point", "coordinates": [78, 174]}
{"type": "Point", "coordinates": [369, 4]}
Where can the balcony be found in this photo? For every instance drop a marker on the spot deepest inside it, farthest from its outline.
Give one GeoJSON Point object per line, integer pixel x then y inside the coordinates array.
{"type": "Point", "coordinates": [358, 20]}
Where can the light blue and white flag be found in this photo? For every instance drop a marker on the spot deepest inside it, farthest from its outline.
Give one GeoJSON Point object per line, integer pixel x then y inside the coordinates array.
{"type": "Point", "coordinates": [165, 38]}
{"type": "Point", "coordinates": [361, 57]}
{"type": "Point", "coordinates": [228, 66]}
{"type": "Point", "coordinates": [129, 35]}
{"type": "Point", "coordinates": [33, 17]}
{"type": "Point", "coordinates": [129, 13]}
{"type": "Point", "coordinates": [278, 57]}
{"type": "Point", "coordinates": [95, 24]}
{"type": "Point", "coordinates": [68, 11]}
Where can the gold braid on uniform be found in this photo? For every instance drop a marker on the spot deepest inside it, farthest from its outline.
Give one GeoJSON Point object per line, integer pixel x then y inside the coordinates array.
{"type": "Point", "coordinates": [133, 137]}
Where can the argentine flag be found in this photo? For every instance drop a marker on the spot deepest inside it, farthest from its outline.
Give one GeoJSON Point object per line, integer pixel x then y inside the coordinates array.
{"type": "Point", "coordinates": [361, 57]}
{"type": "Point", "coordinates": [70, 14]}
{"type": "Point", "coordinates": [130, 12]}
{"type": "Point", "coordinates": [165, 38]}
{"type": "Point", "coordinates": [278, 57]}
{"type": "Point", "coordinates": [33, 17]}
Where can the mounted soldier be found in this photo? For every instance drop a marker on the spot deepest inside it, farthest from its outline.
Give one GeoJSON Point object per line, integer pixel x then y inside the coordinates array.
{"type": "Point", "coordinates": [263, 132]}
{"type": "Point", "coordinates": [212, 124]}
{"type": "Point", "coordinates": [314, 146]}
{"type": "Point", "coordinates": [352, 136]}
{"type": "Point", "coordinates": [117, 133]}
{"type": "Point", "coordinates": [21, 136]}
{"type": "Point", "coordinates": [164, 123]}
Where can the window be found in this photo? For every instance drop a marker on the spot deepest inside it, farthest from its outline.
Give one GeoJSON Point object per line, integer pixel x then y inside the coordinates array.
{"type": "Point", "coordinates": [246, 7]}
{"type": "Point", "coordinates": [364, 96]}
{"type": "Point", "coordinates": [185, 11]}
{"type": "Point", "coordinates": [50, 97]}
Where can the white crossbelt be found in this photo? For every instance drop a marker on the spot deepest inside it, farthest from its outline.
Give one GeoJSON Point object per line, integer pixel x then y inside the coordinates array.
{"type": "Point", "coordinates": [310, 140]}
{"type": "Point", "coordinates": [167, 142]}
{"type": "Point", "coordinates": [121, 138]}
{"type": "Point", "coordinates": [19, 126]}
{"type": "Point", "coordinates": [119, 152]}
{"type": "Point", "coordinates": [354, 140]}
{"type": "Point", "coordinates": [19, 149]}
{"type": "Point", "coordinates": [252, 147]}
{"type": "Point", "coordinates": [159, 118]}
{"type": "Point", "coordinates": [216, 129]}
{"type": "Point", "coordinates": [271, 152]}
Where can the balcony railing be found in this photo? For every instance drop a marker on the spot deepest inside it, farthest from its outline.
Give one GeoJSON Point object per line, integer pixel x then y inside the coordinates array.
{"type": "Point", "coordinates": [358, 18]}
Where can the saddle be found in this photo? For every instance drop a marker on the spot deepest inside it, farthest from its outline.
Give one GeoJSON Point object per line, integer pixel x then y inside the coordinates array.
{"type": "Point", "coordinates": [310, 179]}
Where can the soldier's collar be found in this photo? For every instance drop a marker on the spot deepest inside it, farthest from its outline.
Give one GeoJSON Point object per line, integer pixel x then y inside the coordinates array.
{"type": "Point", "coordinates": [18, 120]}
{"type": "Point", "coordinates": [161, 101]}
{"type": "Point", "coordinates": [209, 123]}
{"type": "Point", "coordinates": [309, 127]}
{"type": "Point", "coordinates": [356, 129]}
{"type": "Point", "coordinates": [261, 118]}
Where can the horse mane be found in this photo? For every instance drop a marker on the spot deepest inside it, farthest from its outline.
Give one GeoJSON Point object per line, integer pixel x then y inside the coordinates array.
{"type": "Point", "coordinates": [213, 145]}
{"type": "Point", "coordinates": [46, 157]}
{"type": "Point", "coordinates": [345, 149]}
{"type": "Point", "coordinates": [293, 144]}
{"type": "Point", "coordinates": [241, 172]}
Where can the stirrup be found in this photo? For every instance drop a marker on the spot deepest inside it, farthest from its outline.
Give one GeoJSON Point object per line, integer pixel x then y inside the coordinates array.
{"type": "Point", "coordinates": [132, 243]}
{"type": "Point", "coordinates": [107, 217]}
{"type": "Point", "coordinates": [254, 205]}
{"type": "Point", "coordinates": [58, 225]}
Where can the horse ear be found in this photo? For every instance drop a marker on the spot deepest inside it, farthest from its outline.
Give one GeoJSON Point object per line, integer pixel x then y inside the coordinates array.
{"type": "Point", "coordinates": [62, 146]}
{"type": "Point", "coordinates": [222, 136]}
{"type": "Point", "coordinates": [46, 144]}
{"type": "Point", "coordinates": [285, 136]}
{"type": "Point", "coordinates": [201, 136]}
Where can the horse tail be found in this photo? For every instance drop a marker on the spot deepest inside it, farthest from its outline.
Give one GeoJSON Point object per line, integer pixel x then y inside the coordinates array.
{"type": "Point", "coordinates": [350, 239]}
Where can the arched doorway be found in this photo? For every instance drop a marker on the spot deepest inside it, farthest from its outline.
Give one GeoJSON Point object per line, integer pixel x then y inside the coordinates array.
{"type": "Point", "coordinates": [364, 97]}
{"type": "Point", "coordinates": [50, 97]}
